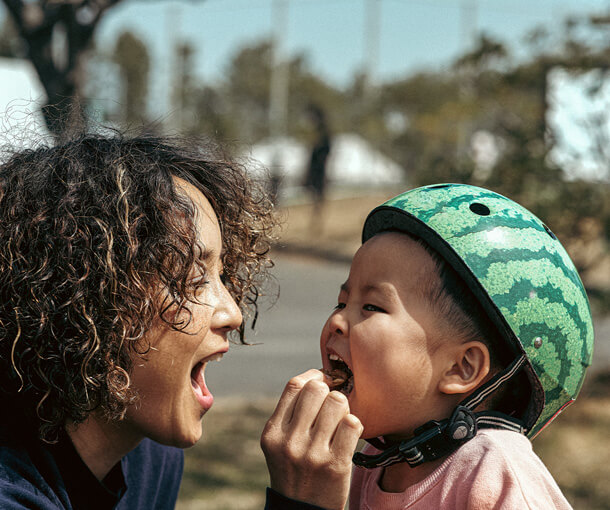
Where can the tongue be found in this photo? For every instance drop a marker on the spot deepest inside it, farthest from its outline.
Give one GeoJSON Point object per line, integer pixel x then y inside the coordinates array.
{"type": "Point", "coordinates": [203, 395]}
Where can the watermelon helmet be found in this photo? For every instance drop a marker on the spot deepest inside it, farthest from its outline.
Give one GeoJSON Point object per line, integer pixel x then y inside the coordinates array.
{"type": "Point", "coordinates": [520, 274]}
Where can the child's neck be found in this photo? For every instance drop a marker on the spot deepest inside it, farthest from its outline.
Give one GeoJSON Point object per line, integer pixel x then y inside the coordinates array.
{"type": "Point", "coordinates": [399, 477]}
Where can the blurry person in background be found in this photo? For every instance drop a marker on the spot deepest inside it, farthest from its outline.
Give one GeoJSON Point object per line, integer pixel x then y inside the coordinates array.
{"type": "Point", "coordinates": [316, 171]}
{"type": "Point", "coordinates": [125, 266]}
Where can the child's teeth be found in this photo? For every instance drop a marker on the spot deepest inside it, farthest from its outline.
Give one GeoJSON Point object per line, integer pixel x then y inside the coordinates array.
{"type": "Point", "coordinates": [334, 357]}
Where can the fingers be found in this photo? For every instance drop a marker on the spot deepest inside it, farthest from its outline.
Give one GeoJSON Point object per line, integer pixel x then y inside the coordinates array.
{"type": "Point", "coordinates": [346, 437]}
{"type": "Point", "coordinates": [307, 406]}
{"type": "Point", "coordinates": [309, 442]}
{"type": "Point", "coordinates": [285, 407]}
{"type": "Point", "coordinates": [335, 429]}
{"type": "Point", "coordinates": [330, 414]}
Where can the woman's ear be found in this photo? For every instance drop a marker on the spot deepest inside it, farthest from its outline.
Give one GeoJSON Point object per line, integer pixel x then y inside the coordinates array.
{"type": "Point", "coordinates": [470, 366]}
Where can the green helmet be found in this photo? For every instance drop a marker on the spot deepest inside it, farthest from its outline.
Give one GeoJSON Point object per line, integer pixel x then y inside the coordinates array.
{"type": "Point", "coordinates": [518, 271]}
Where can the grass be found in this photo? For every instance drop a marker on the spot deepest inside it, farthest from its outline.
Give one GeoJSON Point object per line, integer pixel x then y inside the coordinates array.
{"type": "Point", "coordinates": [226, 470]}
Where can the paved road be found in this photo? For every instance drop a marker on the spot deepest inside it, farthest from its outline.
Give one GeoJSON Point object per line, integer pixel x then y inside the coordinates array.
{"type": "Point", "coordinates": [289, 332]}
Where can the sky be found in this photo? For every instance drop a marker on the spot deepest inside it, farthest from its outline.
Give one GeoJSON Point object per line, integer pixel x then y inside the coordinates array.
{"type": "Point", "coordinates": [412, 34]}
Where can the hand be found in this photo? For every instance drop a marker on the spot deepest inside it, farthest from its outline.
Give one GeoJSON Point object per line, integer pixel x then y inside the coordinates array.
{"type": "Point", "coordinates": [309, 441]}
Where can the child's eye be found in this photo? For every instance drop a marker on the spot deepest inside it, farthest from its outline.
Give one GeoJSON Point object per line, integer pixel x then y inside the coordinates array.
{"type": "Point", "coordinates": [373, 308]}
{"type": "Point", "coordinates": [339, 306]}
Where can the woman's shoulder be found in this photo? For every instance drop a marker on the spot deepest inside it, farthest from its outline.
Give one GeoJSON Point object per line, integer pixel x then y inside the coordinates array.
{"type": "Point", "coordinates": [26, 475]}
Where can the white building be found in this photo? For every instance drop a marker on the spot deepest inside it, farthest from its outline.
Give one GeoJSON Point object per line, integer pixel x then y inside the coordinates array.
{"type": "Point", "coordinates": [21, 95]}
{"type": "Point", "coordinates": [579, 117]}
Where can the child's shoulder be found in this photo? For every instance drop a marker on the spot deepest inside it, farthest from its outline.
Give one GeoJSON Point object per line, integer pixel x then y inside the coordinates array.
{"type": "Point", "coordinates": [495, 443]}
{"type": "Point", "coordinates": [500, 454]}
{"type": "Point", "coordinates": [500, 465]}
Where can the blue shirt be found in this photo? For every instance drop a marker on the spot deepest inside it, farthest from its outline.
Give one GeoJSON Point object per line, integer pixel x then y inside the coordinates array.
{"type": "Point", "coordinates": [39, 476]}
{"type": "Point", "coordinates": [35, 475]}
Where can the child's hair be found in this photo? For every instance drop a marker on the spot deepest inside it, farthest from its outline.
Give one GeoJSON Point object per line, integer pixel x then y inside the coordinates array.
{"type": "Point", "coordinates": [96, 243]}
{"type": "Point", "coordinates": [453, 303]}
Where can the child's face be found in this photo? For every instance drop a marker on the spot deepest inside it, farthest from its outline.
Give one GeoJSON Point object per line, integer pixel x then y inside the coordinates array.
{"type": "Point", "coordinates": [386, 333]}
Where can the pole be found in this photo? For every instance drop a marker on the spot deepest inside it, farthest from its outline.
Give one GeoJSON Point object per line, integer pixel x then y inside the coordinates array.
{"type": "Point", "coordinates": [468, 24]}
{"type": "Point", "coordinates": [372, 34]}
{"type": "Point", "coordinates": [173, 25]}
{"type": "Point", "coordinates": [278, 90]}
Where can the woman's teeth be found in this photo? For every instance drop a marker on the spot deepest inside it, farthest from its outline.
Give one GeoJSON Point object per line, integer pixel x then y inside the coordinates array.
{"type": "Point", "coordinates": [215, 357]}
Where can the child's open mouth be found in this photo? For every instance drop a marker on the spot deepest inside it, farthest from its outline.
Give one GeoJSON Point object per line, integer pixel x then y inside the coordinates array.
{"type": "Point", "coordinates": [341, 375]}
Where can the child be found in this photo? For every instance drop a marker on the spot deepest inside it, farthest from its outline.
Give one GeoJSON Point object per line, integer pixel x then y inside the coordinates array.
{"type": "Point", "coordinates": [125, 264]}
{"type": "Point", "coordinates": [463, 328]}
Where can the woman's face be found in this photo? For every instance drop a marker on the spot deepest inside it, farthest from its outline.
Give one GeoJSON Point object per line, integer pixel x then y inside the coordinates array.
{"type": "Point", "coordinates": [170, 382]}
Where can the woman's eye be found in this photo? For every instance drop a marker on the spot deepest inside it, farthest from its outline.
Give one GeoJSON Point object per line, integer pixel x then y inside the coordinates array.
{"type": "Point", "coordinates": [372, 308]}
{"type": "Point", "coordinates": [200, 282]}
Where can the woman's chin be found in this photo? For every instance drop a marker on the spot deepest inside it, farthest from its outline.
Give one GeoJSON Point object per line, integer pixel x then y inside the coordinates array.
{"type": "Point", "coordinates": [184, 438]}
{"type": "Point", "coordinates": [191, 439]}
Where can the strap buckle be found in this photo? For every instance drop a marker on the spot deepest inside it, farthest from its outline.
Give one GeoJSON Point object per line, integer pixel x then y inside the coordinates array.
{"type": "Point", "coordinates": [435, 439]}
{"type": "Point", "coordinates": [431, 441]}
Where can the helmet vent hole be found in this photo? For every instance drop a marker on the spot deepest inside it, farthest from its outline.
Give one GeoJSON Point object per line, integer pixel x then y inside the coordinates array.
{"type": "Point", "coordinates": [549, 232]}
{"type": "Point", "coordinates": [480, 209]}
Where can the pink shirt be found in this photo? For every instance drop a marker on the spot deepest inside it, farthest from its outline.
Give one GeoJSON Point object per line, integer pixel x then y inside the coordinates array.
{"type": "Point", "coordinates": [496, 470]}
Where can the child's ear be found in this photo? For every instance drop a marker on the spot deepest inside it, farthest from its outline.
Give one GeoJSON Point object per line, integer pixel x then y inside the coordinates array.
{"type": "Point", "coordinates": [470, 366]}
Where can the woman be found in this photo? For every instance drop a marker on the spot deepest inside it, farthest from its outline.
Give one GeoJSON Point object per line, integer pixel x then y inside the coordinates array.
{"type": "Point", "coordinates": [125, 264]}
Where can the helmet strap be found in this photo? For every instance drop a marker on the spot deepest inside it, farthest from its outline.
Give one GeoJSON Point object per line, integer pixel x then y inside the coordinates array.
{"type": "Point", "coordinates": [436, 439]}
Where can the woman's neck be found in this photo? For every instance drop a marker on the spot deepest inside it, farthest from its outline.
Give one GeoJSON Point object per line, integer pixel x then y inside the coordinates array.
{"type": "Point", "coordinates": [101, 444]}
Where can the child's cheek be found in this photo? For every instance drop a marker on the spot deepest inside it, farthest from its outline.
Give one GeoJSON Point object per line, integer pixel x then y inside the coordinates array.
{"type": "Point", "coordinates": [323, 339]}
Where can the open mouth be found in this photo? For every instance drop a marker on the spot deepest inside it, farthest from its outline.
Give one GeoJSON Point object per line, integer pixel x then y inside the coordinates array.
{"type": "Point", "coordinates": [202, 393]}
{"type": "Point", "coordinates": [341, 375]}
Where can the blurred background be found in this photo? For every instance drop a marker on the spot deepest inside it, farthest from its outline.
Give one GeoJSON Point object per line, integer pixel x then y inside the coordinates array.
{"type": "Point", "coordinates": [339, 105]}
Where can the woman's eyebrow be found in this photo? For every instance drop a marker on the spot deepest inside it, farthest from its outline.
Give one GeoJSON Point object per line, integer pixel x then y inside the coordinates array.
{"type": "Point", "coordinates": [209, 255]}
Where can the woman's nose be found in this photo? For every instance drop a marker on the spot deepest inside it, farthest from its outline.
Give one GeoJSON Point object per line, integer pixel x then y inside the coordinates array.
{"type": "Point", "coordinates": [227, 314]}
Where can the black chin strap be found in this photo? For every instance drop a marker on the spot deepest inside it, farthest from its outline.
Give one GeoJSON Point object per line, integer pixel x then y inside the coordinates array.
{"type": "Point", "coordinates": [437, 439]}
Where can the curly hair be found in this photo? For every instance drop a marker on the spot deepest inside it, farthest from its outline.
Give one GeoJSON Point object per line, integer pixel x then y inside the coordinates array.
{"type": "Point", "coordinates": [96, 242]}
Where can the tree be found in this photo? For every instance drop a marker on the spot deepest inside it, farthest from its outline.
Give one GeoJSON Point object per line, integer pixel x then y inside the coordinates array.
{"type": "Point", "coordinates": [10, 44]}
{"type": "Point", "coordinates": [57, 34]}
{"type": "Point", "coordinates": [238, 106]}
{"type": "Point", "coordinates": [131, 55]}
{"type": "Point", "coordinates": [486, 92]}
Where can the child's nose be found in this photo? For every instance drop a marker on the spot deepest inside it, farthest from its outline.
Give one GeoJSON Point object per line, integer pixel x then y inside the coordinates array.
{"type": "Point", "coordinates": [338, 324]}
